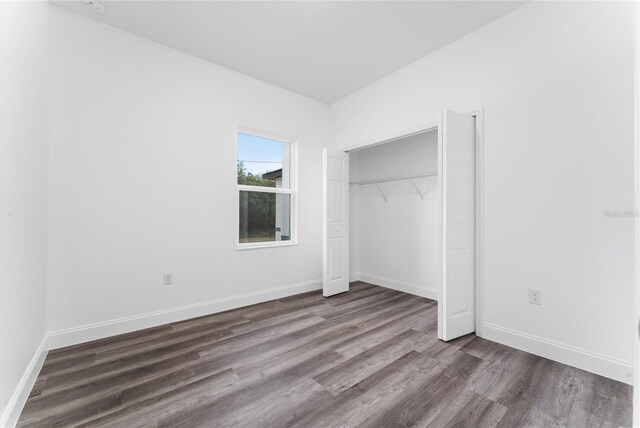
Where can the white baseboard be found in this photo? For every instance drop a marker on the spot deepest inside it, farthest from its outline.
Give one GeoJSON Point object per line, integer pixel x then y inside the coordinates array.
{"type": "Point", "coordinates": [399, 286]}
{"type": "Point", "coordinates": [586, 360]}
{"type": "Point", "coordinates": [603, 365]}
{"type": "Point", "coordinates": [11, 413]}
{"type": "Point", "coordinates": [580, 358]}
{"type": "Point", "coordinates": [86, 333]}
{"type": "Point", "coordinates": [353, 277]}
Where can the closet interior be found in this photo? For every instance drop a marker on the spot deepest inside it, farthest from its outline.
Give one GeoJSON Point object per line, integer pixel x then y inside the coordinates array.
{"type": "Point", "coordinates": [394, 203]}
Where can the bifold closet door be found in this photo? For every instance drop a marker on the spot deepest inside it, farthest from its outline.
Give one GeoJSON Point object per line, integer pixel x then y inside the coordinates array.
{"type": "Point", "coordinates": [456, 308]}
{"type": "Point", "coordinates": [335, 222]}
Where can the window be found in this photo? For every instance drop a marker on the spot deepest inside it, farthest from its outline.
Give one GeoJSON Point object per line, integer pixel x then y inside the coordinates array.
{"type": "Point", "coordinates": [266, 197]}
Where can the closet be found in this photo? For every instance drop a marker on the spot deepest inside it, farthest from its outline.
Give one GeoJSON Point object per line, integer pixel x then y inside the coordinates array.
{"type": "Point", "coordinates": [401, 213]}
{"type": "Point", "coordinates": [393, 202]}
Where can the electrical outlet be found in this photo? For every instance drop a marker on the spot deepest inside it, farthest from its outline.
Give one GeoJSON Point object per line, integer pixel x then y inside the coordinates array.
{"type": "Point", "coordinates": [167, 278]}
{"type": "Point", "coordinates": [535, 296]}
{"type": "Point", "coordinates": [96, 6]}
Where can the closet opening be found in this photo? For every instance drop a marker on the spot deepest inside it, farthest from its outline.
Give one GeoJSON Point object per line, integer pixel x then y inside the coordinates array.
{"type": "Point", "coordinates": [403, 214]}
{"type": "Point", "coordinates": [393, 217]}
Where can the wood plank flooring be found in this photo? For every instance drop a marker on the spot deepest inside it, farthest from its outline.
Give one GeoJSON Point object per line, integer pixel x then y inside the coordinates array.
{"type": "Point", "coordinates": [369, 357]}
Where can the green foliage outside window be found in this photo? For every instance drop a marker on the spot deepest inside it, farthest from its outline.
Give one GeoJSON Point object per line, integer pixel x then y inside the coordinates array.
{"type": "Point", "coordinates": [257, 209]}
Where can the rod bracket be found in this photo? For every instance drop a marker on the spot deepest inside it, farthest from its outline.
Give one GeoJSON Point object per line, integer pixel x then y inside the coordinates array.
{"type": "Point", "coordinates": [381, 192]}
{"type": "Point", "coordinates": [415, 186]}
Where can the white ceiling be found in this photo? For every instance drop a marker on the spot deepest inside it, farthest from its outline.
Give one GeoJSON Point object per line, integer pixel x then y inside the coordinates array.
{"type": "Point", "coordinates": [324, 50]}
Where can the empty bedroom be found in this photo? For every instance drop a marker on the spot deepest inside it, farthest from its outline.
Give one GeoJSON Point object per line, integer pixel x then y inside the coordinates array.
{"type": "Point", "coordinates": [319, 213]}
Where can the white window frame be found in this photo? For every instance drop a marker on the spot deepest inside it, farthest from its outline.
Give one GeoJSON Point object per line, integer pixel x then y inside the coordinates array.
{"type": "Point", "coordinates": [292, 190]}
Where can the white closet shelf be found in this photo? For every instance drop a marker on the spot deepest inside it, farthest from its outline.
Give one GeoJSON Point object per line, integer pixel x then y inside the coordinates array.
{"type": "Point", "coordinates": [384, 180]}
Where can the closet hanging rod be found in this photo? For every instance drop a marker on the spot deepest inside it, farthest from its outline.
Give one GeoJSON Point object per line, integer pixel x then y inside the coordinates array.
{"type": "Point", "coordinates": [383, 180]}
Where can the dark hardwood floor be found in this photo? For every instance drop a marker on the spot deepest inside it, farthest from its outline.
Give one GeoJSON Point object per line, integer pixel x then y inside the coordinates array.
{"type": "Point", "coordinates": [369, 357]}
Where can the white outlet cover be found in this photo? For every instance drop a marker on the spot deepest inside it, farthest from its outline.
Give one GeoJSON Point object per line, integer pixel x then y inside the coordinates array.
{"type": "Point", "coordinates": [535, 296]}
{"type": "Point", "coordinates": [96, 6]}
{"type": "Point", "coordinates": [167, 278]}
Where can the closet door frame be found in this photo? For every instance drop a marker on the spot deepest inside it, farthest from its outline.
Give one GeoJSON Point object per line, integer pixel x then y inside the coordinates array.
{"type": "Point", "coordinates": [479, 155]}
{"type": "Point", "coordinates": [436, 125]}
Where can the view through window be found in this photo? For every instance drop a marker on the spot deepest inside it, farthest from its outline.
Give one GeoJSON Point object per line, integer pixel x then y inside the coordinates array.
{"type": "Point", "coordinates": [264, 189]}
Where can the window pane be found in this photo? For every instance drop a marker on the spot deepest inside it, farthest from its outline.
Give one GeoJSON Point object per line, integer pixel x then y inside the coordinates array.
{"type": "Point", "coordinates": [263, 162]}
{"type": "Point", "coordinates": [264, 217]}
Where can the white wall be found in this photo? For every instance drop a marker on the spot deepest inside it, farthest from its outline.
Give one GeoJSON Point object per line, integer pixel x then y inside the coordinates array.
{"type": "Point", "coordinates": [23, 192]}
{"type": "Point", "coordinates": [636, 342]}
{"type": "Point", "coordinates": [143, 181]}
{"type": "Point", "coordinates": [556, 82]}
{"type": "Point", "coordinates": [395, 243]}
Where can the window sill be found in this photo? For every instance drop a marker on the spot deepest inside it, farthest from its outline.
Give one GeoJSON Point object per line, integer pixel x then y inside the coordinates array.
{"type": "Point", "coordinates": [254, 245]}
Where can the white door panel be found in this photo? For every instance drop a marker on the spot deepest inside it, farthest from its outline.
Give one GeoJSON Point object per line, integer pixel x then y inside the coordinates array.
{"type": "Point", "coordinates": [456, 308]}
{"type": "Point", "coordinates": [335, 258]}
{"type": "Point", "coordinates": [336, 254]}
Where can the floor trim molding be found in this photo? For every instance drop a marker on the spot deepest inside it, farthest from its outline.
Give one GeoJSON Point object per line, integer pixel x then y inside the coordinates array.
{"type": "Point", "coordinates": [11, 413]}
{"type": "Point", "coordinates": [405, 287]}
{"type": "Point", "coordinates": [581, 358]}
{"type": "Point", "coordinates": [86, 333]}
